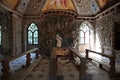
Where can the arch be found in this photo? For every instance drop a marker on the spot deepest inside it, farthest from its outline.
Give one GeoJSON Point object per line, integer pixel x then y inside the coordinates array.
{"type": "Point", "coordinates": [32, 34]}
{"type": "Point", "coordinates": [86, 38]}
{"type": "Point", "coordinates": [84, 33]}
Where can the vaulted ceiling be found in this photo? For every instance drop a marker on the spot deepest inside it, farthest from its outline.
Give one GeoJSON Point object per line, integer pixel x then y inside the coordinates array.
{"type": "Point", "coordinates": [35, 7]}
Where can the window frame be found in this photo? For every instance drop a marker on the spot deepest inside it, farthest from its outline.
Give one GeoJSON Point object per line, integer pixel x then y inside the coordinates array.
{"type": "Point", "coordinates": [32, 32]}
{"type": "Point", "coordinates": [84, 35]}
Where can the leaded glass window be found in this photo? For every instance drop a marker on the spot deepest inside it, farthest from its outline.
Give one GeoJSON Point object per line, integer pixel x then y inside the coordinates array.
{"type": "Point", "coordinates": [32, 34]}
{"type": "Point", "coordinates": [84, 34]}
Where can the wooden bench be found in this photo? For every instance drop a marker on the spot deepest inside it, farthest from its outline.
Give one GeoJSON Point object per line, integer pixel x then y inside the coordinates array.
{"type": "Point", "coordinates": [82, 66]}
{"type": "Point", "coordinates": [110, 65]}
{"type": "Point", "coordinates": [7, 60]}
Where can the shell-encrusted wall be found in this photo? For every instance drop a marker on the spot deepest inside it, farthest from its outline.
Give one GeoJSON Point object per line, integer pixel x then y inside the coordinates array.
{"type": "Point", "coordinates": [53, 25]}
{"type": "Point", "coordinates": [105, 30]}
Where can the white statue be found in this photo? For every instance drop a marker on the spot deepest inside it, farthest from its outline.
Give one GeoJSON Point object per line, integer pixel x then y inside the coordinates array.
{"type": "Point", "coordinates": [59, 40]}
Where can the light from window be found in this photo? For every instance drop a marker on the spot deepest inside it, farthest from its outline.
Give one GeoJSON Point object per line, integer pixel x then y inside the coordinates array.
{"type": "Point", "coordinates": [0, 35]}
{"type": "Point", "coordinates": [84, 34]}
{"type": "Point", "coordinates": [36, 37]}
{"type": "Point", "coordinates": [32, 34]}
{"type": "Point", "coordinates": [81, 37]}
{"type": "Point", "coordinates": [87, 37]}
{"type": "Point", "coordinates": [98, 45]}
{"type": "Point", "coordinates": [30, 37]}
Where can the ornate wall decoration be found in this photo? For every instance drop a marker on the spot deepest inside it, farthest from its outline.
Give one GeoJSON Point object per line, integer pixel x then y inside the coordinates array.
{"type": "Point", "coordinates": [56, 24]}
{"type": "Point", "coordinates": [12, 3]}
{"type": "Point", "coordinates": [22, 6]}
{"type": "Point", "coordinates": [102, 3]}
{"type": "Point", "coordinates": [7, 40]}
{"type": "Point", "coordinates": [86, 7]}
{"type": "Point", "coordinates": [58, 5]}
{"type": "Point", "coordinates": [104, 28]}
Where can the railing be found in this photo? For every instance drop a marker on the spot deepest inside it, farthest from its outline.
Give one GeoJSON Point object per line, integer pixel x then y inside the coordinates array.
{"type": "Point", "coordinates": [82, 67]}
{"type": "Point", "coordinates": [111, 65]}
{"type": "Point", "coordinates": [6, 61]}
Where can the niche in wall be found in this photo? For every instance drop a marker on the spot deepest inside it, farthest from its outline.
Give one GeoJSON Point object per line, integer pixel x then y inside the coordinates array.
{"type": "Point", "coordinates": [117, 36]}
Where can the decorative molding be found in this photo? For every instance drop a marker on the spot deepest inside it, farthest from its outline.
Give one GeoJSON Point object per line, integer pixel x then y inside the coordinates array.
{"type": "Point", "coordinates": [108, 11]}
{"type": "Point", "coordinates": [71, 13]}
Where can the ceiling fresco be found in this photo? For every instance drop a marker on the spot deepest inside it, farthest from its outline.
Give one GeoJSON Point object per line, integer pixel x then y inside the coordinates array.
{"type": "Point", "coordinates": [102, 3]}
{"type": "Point", "coordinates": [58, 5]}
{"type": "Point", "coordinates": [86, 7]}
{"type": "Point", "coordinates": [22, 5]}
{"type": "Point", "coordinates": [36, 7]}
{"type": "Point", "coordinates": [12, 3]}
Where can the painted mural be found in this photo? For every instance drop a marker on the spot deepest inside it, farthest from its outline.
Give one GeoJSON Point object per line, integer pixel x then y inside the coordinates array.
{"type": "Point", "coordinates": [58, 4]}
{"type": "Point", "coordinates": [102, 3]}
{"type": "Point", "coordinates": [22, 6]}
{"type": "Point", "coordinates": [94, 6]}
{"type": "Point", "coordinates": [12, 3]}
{"type": "Point", "coordinates": [86, 7]}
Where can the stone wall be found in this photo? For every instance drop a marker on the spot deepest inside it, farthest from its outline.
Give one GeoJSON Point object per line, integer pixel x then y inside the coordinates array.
{"type": "Point", "coordinates": [105, 30]}
{"type": "Point", "coordinates": [25, 25]}
{"type": "Point", "coordinates": [49, 27]}
{"type": "Point", "coordinates": [17, 34]}
{"type": "Point", "coordinates": [53, 25]}
{"type": "Point", "coordinates": [11, 33]}
{"type": "Point", "coordinates": [6, 23]}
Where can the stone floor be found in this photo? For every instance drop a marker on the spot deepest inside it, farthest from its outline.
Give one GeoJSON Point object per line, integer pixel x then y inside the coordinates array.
{"type": "Point", "coordinates": [69, 70]}
{"type": "Point", "coordinates": [95, 73]}
{"type": "Point", "coordinates": [40, 71]}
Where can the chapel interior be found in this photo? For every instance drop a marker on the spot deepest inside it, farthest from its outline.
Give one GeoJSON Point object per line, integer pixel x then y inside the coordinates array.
{"type": "Point", "coordinates": [59, 39]}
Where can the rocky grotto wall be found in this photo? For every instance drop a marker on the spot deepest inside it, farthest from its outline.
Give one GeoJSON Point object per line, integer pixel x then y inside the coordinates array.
{"type": "Point", "coordinates": [6, 34]}
{"type": "Point", "coordinates": [105, 30]}
{"type": "Point", "coordinates": [17, 34]}
{"type": "Point", "coordinates": [53, 25]}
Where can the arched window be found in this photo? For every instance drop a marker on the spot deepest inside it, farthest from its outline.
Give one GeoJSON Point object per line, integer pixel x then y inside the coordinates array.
{"type": "Point", "coordinates": [0, 35]}
{"type": "Point", "coordinates": [32, 34]}
{"type": "Point", "coordinates": [84, 34]}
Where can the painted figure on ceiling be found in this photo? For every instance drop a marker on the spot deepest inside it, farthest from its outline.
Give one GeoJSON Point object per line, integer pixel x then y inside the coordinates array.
{"type": "Point", "coordinates": [58, 3]}
{"type": "Point", "coordinates": [63, 3]}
